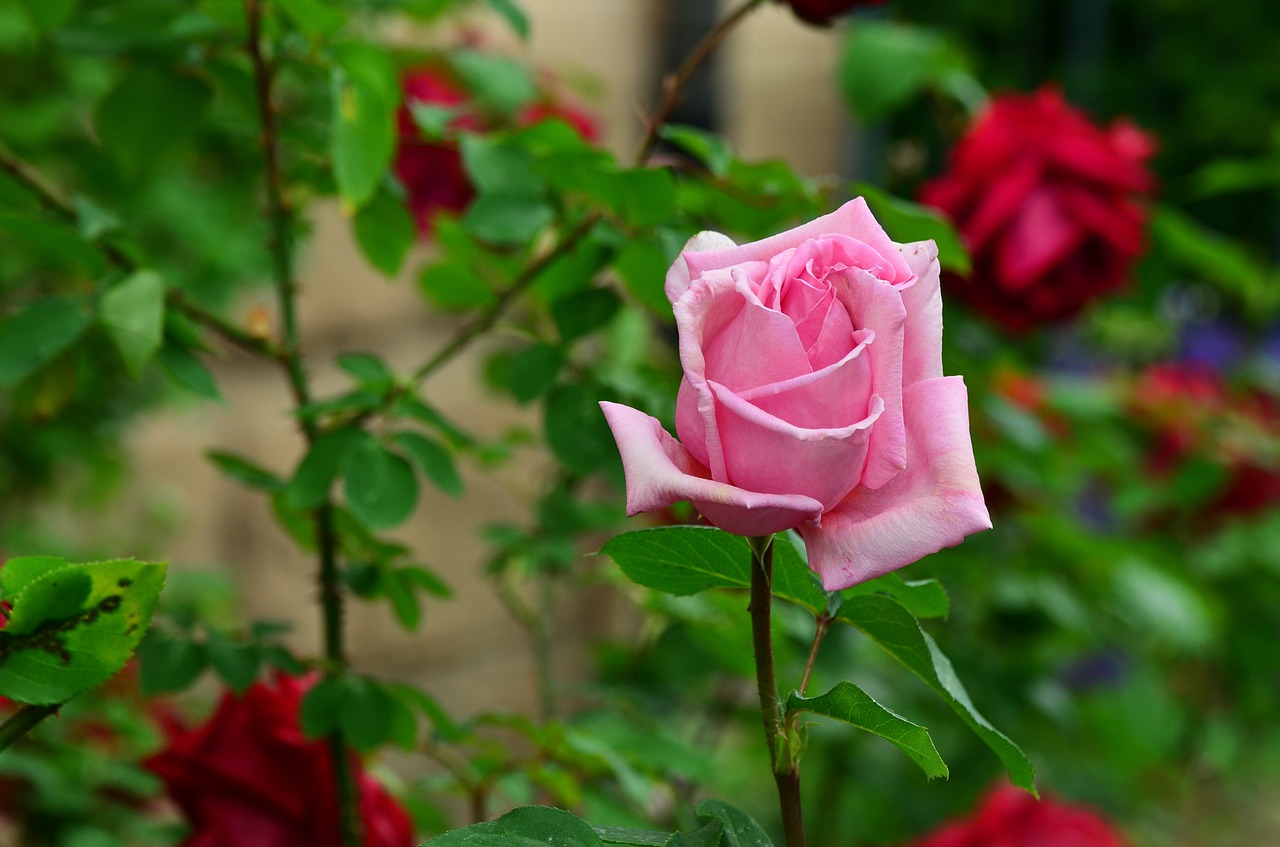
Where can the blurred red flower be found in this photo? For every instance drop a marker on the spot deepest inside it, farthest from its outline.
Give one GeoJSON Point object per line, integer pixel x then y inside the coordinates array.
{"type": "Point", "coordinates": [1190, 410]}
{"type": "Point", "coordinates": [249, 778]}
{"type": "Point", "coordinates": [431, 169]}
{"type": "Point", "coordinates": [1048, 204]}
{"type": "Point", "coordinates": [824, 11]}
{"type": "Point", "coordinates": [1010, 817]}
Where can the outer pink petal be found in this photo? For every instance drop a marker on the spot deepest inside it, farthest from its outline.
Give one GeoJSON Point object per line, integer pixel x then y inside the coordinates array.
{"type": "Point", "coordinates": [853, 219]}
{"type": "Point", "coordinates": [765, 453]}
{"type": "Point", "coordinates": [678, 277]}
{"type": "Point", "coordinates": [876, 305]}
{"type": "Point", "coordinates": [934, 503]}
{"type": "Point", "coordinates": [660, 472]}
{"type": "Point", "coordinates": [922, 341]}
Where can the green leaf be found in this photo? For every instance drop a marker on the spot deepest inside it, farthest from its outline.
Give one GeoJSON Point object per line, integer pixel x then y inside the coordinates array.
{"type": "Point", "coordinates": [35, 336]}
{"type": "Point", "coordinates": [684, 560]}
{"type": "Point", "coordinates": [385, 231]}
{"type": "Point", "coordinates": [507, 220]}
{"type": "Point", "coordinates": [185, 370]}
{"type": "Point", "coordinates": [907, 222]}
{"type": "Point", "coordinates": [169, 663]}
{"type": "Point", "coordinates": [148, 114]}
{"type": "Point", "coordinates": [320, 467]}
{"type": "Point", "coordinates": [369, 370]}
{"type": "Point", "coordinates": [314, 17]}
{"type": "Point", "coordinates": [885, 65]}
{"type": "Point", "coordinates": [534, 371]}
{"type": "Point", "coordinates": [75, 627]}
{"type": "Point", "coordinates": [925, 598]}
{"type": "Point", "coordinates": [497, 82]}
{"type": "Point", "coordinates": [582, 313]}
{"type": "Point", "coordinates": [646, 197]}
{"type": "Point", "coordinates": [500, 166]}
{"type": "Point", "coordinates": [379, 485]}
{"type": "Point", "coordinates": [22, 571]}
{"type": "Point", "coordinates": [890, 625]}
{"type": "Point", "coordinates": [529, 826]}
{"type": "Point", "coordinates": [708, 148]}
{"type": "Point", "coordinates": [363, 136]}
{"type": "Point", "coordinates": [643, 265]}
{"type": "Point", "coordinates": [321, 707]}
{"type": "Point", "coordinates": [792, 578]}
{"type": "Point", "coordinates": [52, 241]}
{"type": "Point", "coordinates": [132, 313]}
{"type": "Point", "coordinates": [433, 459]}
{"type": "Point", "coordinates": [403, 599]}
{"type": "Point", "coordinates": [577, 431]}
{"type": "Point", "coordinates": [455, 287]}
{"type": "Point", "coordinates": [364, 713]}
{"type": "Point", "coordinates": [237, 664]}
{"type": "Point", "coordinates": [515, 16]}
{"type": "Point", "coordinates": [632, 837]}
{"type": "Point", "coordinates": [850, 704]}
{"type": "Point", "coordinates": [740, 829]}
{"type": "Point", "coordinates": [425, 580]}
{"type": "Point", "coordinates": [48, 15]}
{"type": "Point", "coordinates": [245, 472]}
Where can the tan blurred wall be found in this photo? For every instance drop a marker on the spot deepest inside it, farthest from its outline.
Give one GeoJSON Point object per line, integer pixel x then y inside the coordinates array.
{"type": "Point", "coordinates": [780, 102]}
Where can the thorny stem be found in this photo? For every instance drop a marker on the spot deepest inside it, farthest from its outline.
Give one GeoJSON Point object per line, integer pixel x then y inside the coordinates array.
{"type": "Point", "coordinates": [23, 721]}
{"type": "Point", "coordinates": [673, 86]}
{"type": "Point", "coordinates": [786, 774]}
{"type": "Point", "coordinates": [824, 623]}
{"type": "Point", "coordinates": [290, 357]}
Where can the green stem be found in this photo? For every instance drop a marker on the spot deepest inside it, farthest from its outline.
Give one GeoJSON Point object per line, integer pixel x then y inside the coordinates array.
{"type": "Point", "coordinates": [23, 721]}
{"type": "Point", "coordinates": [673, 87]}
{"type": "Point", "coordinates": [786, 773]}
{"type": "Point", "coordinates": [290, 357]}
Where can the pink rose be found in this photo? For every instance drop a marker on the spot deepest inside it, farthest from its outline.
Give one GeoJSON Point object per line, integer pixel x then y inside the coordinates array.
{"type": "Point", "coordinates": [813, 398]}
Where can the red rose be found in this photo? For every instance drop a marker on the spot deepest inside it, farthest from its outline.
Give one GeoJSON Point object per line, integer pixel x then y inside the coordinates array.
{"type": "Point", "coordinates": [1188, 409]}
{"type": "Point", "coordinates": [1012, 818]}
{"type": "Point", "coordinates": [250, 778]}
{"type": "Point", "coordinates": [431, 170]}
{"type": "Point", "coordinates": [824, 11]}
{"type": "Point", "coordinates": [1047, 203]}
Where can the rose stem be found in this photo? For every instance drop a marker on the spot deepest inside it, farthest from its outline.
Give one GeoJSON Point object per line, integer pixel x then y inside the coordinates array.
{"type": "Point", "coordinates": [291, 358]}
{"type": "Point", "coordinates": [23, 721]}
{"type": "Point", "coordinates": [674, 85]}
{"type": "Point", "coordinates": [786, 772]}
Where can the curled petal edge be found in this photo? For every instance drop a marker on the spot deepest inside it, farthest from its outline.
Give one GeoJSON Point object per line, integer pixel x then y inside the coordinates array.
{"type": "Point", "coordinates": [660, 472]}
{"type": "Point", "coordinates": [934, 503]}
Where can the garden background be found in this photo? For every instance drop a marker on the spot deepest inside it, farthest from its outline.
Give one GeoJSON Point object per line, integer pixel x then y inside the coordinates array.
{"type": "Point", "coordinates": [1118, 622]}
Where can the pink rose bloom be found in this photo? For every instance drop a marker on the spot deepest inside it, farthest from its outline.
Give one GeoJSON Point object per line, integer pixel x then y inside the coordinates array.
{"type": "Point", "coordinates": [1010, 817]}
{"type": "Point", "coordinates": [813, 399]}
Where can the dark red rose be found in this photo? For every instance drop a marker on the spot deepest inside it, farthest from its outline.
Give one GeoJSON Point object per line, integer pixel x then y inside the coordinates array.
{"type": "Point", "coordinates": [431, 171]}
{"type": "Point", "coordinates": [250, 778]}
{"type": "Point", "coordinates": [824, 11]}
{"type": "Point", "coordinates": [1010, 817]}
{"type": "Point", "coordinates": [1048, 204]}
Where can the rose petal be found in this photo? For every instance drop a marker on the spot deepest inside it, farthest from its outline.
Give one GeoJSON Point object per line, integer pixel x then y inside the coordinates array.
{"type": "Point", "coordinates": [832, 397]}
{"type": "Point", "coordinates": [877, 305]}
{"type": "Point", "coordinates": [853, 219]}
{"type": "Point", "coordinates": [765, 453]}
{"type": "Point", "coordinates": [922, 334]}
{"type": "Point", "coordinates": [660, 472]}
{"type": "Point", "coordinates": [678, 276]}
{"type": "Point", "coordinates": [934, 503]}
